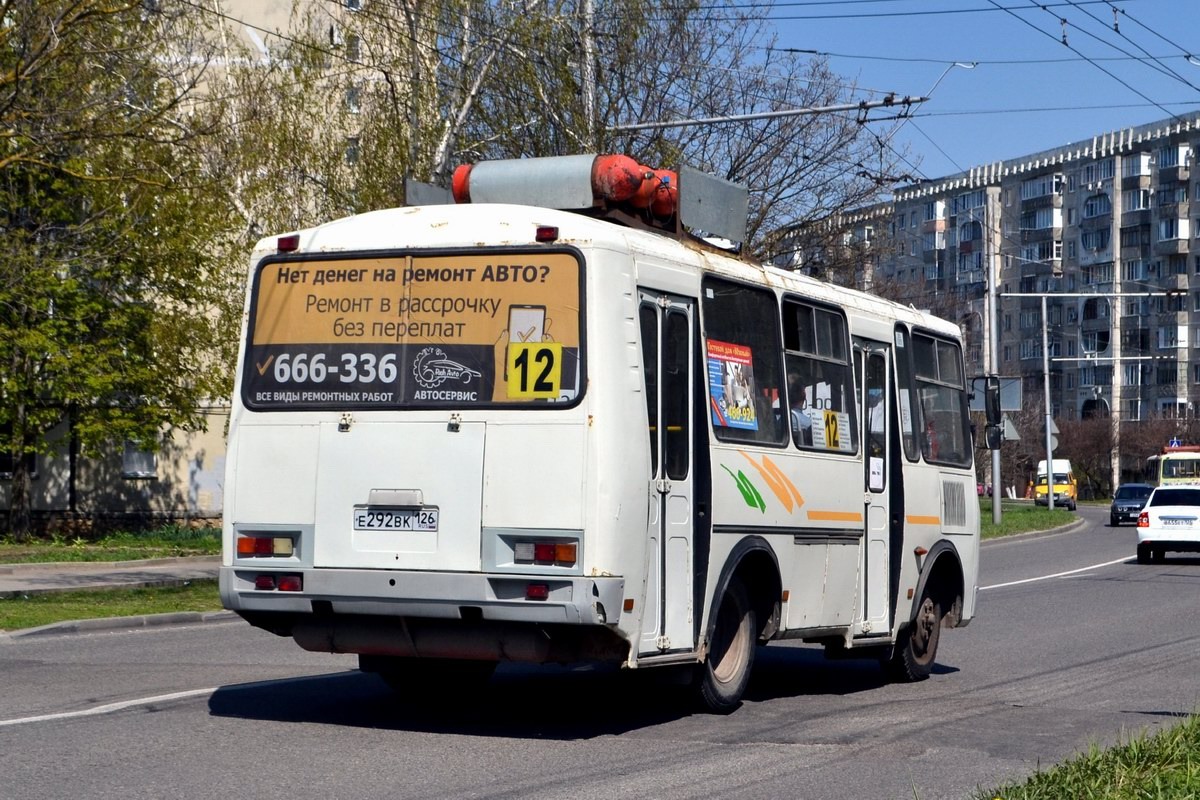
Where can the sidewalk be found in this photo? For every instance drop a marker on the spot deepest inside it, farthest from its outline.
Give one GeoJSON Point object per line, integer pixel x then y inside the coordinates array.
{"type": "Point", "coordinates": [18, 580]}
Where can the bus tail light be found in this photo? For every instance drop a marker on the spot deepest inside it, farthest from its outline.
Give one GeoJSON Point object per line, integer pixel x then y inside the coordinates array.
{"type": "Point", "coordinates": [563, 554]}
{"type": "Point", "coordinates": [291, 583]}
{"type": "Point", "coordinates": [258, 546]}
{"type": "Point", "coordinates": [537, 591]}
{"type": "Point", "coordinates": [269, 582]}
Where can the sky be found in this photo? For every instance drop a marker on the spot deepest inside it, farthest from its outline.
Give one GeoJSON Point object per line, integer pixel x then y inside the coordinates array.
{"type": "Point", "coordinates": [1027, 91]}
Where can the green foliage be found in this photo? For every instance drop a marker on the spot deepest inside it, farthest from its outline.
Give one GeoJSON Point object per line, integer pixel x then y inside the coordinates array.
{"type": "Point", "coordinates": [170, 541]}
{"type": "Point", "coordinates": [110, 290]}
{"type": "Point", "coordinates": [1143, 768]}
{"type": "Point", "coordinates": [1020, 518]}
{"type": "Point", "coordinates": [31, 611]}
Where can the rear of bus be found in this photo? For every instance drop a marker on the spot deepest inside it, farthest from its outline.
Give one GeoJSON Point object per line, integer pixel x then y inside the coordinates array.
{"type": "Point", "coordinates": [410, 442]}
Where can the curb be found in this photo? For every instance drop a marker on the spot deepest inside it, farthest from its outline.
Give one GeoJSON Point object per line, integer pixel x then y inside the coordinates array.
{"type": "Point", "coordinates": [101, 624]}
{"type": "Point", "coordinates": [1078, 522]}
{"type": "Point", "coordinates": [169, 582]}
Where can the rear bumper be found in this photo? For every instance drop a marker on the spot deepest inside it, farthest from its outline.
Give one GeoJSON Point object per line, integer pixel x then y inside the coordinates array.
{"type": "Point", "coordinates": [1183, 540]}
{"type": "Point", "coordinates": [436, 614]}
{"type": "Point", "coordinates": [571, 600]}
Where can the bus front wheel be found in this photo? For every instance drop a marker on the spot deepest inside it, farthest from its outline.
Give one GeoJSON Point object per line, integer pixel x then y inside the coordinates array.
{"type": "Point", "coordinates": [726, 669]}
{"type": "Point", "coordinates": [916, 649]}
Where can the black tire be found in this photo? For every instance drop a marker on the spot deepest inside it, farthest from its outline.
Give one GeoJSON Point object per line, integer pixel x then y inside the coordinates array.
{"type": "Point", "coordinates": [1112, 522]}
{"type": "Point", "coordinates": [916, 649]}
{"type": "Point", "coordinates": [1143, 554]}
{"type": "Point", "coordinates": [1158, 555]}
{"type": "Point", "coordinates": [412, 678]}
{"type": "Point", "coordinates": [726, 669]}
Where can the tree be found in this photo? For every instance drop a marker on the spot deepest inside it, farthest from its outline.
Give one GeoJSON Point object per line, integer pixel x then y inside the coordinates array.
{"type": "Point", "coordinates": [109, 289]}
{"type": "Point", "coordinates": [440, 82]}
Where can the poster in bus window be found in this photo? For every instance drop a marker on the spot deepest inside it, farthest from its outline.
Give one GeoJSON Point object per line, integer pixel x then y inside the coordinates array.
{"type": "Point", "coordinates": [731, 385]}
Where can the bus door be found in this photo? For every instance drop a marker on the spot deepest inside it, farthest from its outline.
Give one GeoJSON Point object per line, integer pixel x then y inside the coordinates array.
{"type": "Point", "coordinates": [668, 335]}
{"type": "Point", "coordinates": [872, 361]}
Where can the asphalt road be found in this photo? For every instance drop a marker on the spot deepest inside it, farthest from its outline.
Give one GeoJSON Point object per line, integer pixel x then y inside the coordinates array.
{"type": "Point", "coordinates": [1074, 644]}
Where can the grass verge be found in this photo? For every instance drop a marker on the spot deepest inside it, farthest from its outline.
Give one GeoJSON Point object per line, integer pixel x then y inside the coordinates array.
{"type": "Point", "coordinates": [171, 541]}
{"type": "Point", "coordinates": [1156, 767]}
{"type": "Point", "coordinates": [33, 610]}
{"type": "Point", "coordinates": [1020, 518]}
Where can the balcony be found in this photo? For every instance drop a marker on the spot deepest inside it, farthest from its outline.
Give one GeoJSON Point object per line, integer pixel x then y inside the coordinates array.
{"type": "Point", "coordinates": [1135, 182]}
{"type": "Point", "coordinates": [1044, 201]}
{"type": "Point", "coordinates": [1173, 174]}
{"type": "Point", "coordinates": [1035, 235]}
{"type": "Point", "coordinates": [1097, 222]}
{"type": "Point", "coordinates": [1171, 247]}
{"type": "Point", "coordinates": [1140, 216]}
{"type": "Point", "coordinates": [1178, 210]}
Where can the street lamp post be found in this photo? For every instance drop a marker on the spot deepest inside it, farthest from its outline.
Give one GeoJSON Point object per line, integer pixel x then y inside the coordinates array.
{"type": "Point", "coordinates": [992, 367]}
{"type": "Point", "coordinates": [1049, 415]}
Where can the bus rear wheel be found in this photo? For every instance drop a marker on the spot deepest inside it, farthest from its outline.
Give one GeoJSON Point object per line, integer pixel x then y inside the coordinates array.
{"type": "Point", "coordinates": [726, 669]}
{"type": "Point", "coordinates": [916, 649]}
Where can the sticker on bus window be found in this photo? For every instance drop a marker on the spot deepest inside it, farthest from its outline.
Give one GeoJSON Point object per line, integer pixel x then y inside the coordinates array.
{"type": "Point", "coordinates": [731, 385]}
{"type": "Point", "coordinates": [534, 370]}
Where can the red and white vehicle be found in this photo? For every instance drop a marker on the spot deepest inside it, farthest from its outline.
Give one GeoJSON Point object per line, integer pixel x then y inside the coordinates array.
{"type": "Point", "coordinates": [1170, 521]}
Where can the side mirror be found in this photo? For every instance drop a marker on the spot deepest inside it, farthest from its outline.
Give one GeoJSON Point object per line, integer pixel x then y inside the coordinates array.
{"type": "Point", "coordinates": [991, 400]}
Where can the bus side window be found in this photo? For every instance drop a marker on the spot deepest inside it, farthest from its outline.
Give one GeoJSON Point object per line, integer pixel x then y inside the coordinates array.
{"type": "Point", "coordinates": [744, 364]}
{"type": "Point", "coordinates": [820, 385]}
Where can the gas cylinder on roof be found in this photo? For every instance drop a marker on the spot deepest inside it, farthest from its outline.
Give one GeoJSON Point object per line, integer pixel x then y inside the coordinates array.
{"type": "Point", "coordinates": [665, 198]}
{"type": "Point", "coordinates": [615, 179]}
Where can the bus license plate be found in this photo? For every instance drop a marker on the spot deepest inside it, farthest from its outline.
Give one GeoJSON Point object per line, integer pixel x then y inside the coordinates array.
{"type": "Point", "coordinates": [395, 519]}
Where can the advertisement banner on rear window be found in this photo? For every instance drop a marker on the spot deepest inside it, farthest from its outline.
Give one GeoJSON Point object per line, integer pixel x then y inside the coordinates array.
{"type": "Point", "coordinates": [415, 331]}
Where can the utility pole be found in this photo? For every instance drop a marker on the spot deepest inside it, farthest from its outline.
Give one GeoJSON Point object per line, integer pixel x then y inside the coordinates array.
{"type": "Point", "coordinates": [1049, 414]}
{"type": "Point", "coordinates": [588, 70]}
{"type": "Point", "coordinates": [992, 365]}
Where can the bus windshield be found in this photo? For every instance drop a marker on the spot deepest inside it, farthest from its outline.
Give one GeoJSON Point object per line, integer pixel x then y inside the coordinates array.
{"type": "Point", "coordinates": [476, 328]}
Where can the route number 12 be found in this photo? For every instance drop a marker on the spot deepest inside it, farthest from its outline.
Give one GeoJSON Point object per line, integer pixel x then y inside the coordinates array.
{"type": "Point", "coordinates": [534, 370]}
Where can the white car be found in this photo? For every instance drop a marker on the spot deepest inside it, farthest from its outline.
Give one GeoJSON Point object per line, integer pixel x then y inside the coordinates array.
{"type": "Point", "coordinates": [1170, 520]}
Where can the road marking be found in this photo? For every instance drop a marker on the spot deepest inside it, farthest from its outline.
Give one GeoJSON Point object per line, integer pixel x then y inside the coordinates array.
{"type": "Point", "coordinates": [108, 709]}
{"type": "Point", "coordinates": [1057, 574]}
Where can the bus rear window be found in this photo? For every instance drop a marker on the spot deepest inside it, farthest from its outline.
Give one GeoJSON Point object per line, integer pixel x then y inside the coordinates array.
{"type": "Point", "coordinates": [478, 328]}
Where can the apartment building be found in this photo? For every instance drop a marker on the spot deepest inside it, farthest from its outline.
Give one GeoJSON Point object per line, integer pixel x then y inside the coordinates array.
{"type": "Point", "coordinates": [1104, 229]}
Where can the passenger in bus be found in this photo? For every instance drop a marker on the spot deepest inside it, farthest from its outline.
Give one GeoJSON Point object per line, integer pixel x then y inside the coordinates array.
{"type": "Point", "coordinates": [930, 444]}
{"type": "Point", "coordinates": [801, 421]}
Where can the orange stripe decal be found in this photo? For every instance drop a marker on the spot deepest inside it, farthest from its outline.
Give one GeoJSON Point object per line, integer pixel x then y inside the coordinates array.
{"type": "Point", "coordinates": [835, 516]}
{"type": "Point", "coordinates": [921, 519]}
{"type": "Point", "coordinates": [785, 491]}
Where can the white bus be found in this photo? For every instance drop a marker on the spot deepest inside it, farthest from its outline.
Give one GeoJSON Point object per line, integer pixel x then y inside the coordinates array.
{"type": "Point", "coordinates": [471, 433]}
